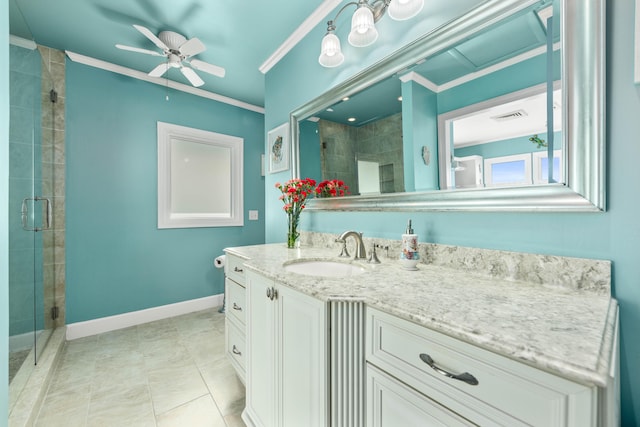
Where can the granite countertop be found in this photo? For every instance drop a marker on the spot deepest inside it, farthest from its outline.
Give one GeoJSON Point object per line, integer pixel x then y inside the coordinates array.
{"type": "Point", "coordinates": [565, 331]}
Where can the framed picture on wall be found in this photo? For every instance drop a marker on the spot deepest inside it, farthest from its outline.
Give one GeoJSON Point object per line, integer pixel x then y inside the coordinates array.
{"type": "Point", "coordinates": [278, 148]}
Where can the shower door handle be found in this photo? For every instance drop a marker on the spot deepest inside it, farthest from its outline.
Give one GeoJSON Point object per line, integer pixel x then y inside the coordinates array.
{"type": "Point", "coordinates": [25, 214]}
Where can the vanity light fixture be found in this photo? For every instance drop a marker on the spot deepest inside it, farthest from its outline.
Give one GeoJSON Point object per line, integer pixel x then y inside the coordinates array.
{"type": "Point", "coordinates": [363, 29]}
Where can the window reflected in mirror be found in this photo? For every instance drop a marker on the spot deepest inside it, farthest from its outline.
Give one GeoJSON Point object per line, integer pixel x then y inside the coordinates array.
{"type": "Point", "coordinates": [505, 141]}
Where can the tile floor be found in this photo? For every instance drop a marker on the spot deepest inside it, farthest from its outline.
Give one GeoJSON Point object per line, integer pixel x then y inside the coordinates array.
{"type": "Point", "coordinates": [16, 359]}
{"type": "Point", "coordinates": [172, 372]}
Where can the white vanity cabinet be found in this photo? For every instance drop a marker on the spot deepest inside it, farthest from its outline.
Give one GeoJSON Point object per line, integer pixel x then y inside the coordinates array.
{"type": "Point", "coordinates": [392, 403]}
{"type": "Point", "coordinates": [490, 390]}
{"type": "Point", "coordinates": [235, 309]}
{"type": "Point", "coordinates": [287, 356]}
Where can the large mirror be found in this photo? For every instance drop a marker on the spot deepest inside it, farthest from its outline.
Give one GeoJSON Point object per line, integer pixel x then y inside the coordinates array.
{"type": "Point", "coordinates": [500, 109]}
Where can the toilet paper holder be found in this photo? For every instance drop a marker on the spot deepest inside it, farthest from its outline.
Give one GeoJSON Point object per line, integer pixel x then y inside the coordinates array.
{"type": "Point", "coordinates": [219, 261]}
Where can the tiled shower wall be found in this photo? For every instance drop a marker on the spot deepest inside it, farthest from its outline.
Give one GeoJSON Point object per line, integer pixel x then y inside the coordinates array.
{"type": "Point", "coordinates": [338, 152]}
{"type": "Point", "coordinates": [379, 141]}
{"type": "Point", "coordinates": [53, 161]}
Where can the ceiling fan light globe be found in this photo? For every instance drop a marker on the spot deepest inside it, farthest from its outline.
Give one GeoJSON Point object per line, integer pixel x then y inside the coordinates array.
{"type": "Point", "coordinates": [400, 10]}
{"type": "Point", "coordinates": [172, 39]}
{"type": "Point", "coordinates": [174, 61]}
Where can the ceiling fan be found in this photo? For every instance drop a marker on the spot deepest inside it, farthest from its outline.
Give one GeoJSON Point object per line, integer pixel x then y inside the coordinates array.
{"type": "Point", "coordinates": [178, 51]}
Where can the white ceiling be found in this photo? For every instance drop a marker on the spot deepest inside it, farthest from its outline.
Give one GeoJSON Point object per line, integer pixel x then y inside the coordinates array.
{"type": "Point", "coordinates": [489, 124]}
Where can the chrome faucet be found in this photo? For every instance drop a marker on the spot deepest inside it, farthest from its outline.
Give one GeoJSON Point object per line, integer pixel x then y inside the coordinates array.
{"type": "Point", "coordinates": [361, 252]}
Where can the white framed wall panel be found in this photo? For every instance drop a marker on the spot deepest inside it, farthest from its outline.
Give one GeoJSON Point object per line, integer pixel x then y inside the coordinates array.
{"type": "Point", "coordinates": [200, 180]}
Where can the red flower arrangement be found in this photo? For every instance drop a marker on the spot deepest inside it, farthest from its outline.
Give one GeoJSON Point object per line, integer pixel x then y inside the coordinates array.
{"type": "Point", "coordinates": [332, 188]}
{"type": "Point", "coordinates": [294, 196]}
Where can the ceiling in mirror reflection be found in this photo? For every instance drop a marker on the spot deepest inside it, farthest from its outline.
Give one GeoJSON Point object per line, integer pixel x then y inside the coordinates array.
{"type": "Point", "coordinates": [523, 117]}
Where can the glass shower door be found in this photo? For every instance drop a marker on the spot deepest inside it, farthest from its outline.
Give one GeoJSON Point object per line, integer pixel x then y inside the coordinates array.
{"type": "Point", "coordinates": [31, 151]}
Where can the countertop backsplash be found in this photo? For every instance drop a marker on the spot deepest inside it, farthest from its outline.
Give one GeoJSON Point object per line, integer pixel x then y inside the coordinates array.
{"type": "Point", "coordinates": [588, 275]}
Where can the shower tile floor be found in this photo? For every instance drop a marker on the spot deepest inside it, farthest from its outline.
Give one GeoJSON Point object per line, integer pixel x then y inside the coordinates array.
{"type": "Point", "coordinates": [172, 372]}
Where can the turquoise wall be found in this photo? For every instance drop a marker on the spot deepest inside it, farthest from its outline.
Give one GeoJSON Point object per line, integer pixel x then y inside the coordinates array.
{"type": "Point", "coordinates": [507, 147]}
{"type": "Point", "coordinates": [4, 211]}
{"type": "Point", "coordinates": [419, 129]}
{"type": "Point", "coordinates": [613, 235]}
{"type": "Point", "coordinates": [117, 259]}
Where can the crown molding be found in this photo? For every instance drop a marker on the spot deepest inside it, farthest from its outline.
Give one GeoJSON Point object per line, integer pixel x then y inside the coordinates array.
{"type": "Point", "coordinates": [118, 69]}
{"type": "Point", "coordinates": [307, 25]}
{"type": "Point", "coordinates": [21, 42]}
{"type": "Point", "coordinates": [421, 80]}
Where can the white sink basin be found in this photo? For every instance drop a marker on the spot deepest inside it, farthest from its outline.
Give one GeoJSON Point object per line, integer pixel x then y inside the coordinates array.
{"type": "Point", "coordinates": [324, 268]}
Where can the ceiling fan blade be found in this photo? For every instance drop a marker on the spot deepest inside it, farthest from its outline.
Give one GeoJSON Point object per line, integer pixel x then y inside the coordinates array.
{"type": "Point", "coordinates": [191, 75]}
{"type": "Point", "coordinates": [192, 47]}
{"type": "Point", "coordinates": [207, 68]}
{"type": "Point", "coordinates": [159, 70]}
{"type": "Point", "coordinates": [148, 34]}
{"type": "Point", "coordinates": [137, 49]}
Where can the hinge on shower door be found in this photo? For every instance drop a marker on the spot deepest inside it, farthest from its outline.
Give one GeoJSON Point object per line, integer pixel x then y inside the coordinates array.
{"type": "Point", "coordinates": [55, 312]}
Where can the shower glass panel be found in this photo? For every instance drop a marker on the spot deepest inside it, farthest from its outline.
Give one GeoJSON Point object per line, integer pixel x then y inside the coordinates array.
{"type": "Point", "coordinates": [31, 185]}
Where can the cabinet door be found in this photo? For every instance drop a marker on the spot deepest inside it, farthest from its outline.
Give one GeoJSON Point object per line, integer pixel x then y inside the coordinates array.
{"type": "Point", "coordinates": [302, 359]}
{"type": "Point", "coordinates": [391, 403]}
{"type": "Point", "coordinates": [260, 363]}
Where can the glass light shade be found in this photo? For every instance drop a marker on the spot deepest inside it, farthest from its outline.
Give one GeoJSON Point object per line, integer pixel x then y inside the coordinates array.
{"type": "Point", "coordinates": [363, 30]}
{"type": "Point", "coordinates": [399, 10]}
{"type": "Point", "coordinates": [330, 53]}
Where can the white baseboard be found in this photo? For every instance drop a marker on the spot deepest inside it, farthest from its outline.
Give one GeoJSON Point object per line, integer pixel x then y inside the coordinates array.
{"type": "Point", "coordinates": [120, 321]}
{"type": "Point", "coordinates": [24, 341]}
{"type": "Point", "coordinates": [20, 342]}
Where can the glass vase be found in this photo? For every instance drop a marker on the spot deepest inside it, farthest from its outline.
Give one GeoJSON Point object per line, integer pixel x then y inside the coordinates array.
{"type": "Point", "coordinates": [292, 232]}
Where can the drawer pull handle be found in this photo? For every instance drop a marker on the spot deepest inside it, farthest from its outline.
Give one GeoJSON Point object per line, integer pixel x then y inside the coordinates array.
{"type": "Point", "coordinates": [238, 270]}
{"type": "Point", "coordinates": [465, 376]}
{"type": "Point", "coordinates": [236, 351]}
{"type": "Point", "coordinates": [237, 307]}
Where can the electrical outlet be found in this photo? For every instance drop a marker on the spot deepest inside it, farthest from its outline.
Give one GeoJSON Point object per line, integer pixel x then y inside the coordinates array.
{"type": "Point", "coordinates": [253, 215]}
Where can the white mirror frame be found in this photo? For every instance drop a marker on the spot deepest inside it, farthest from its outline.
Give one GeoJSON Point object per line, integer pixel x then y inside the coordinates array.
{"type": "Point", "coordinates": [583, 82]}
{"type": "Point", "coordinates": [168, 136]}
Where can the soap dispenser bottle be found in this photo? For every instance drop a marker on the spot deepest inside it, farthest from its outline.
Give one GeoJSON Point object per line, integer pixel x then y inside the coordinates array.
{"type": "Point", "coordinates": [409, 257]}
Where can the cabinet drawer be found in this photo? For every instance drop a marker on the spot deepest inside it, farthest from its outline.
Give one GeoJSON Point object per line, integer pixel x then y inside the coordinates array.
{"type": "Point", "coordinates": [235, 347]}
{"type": "Point", "coordinates": [391, 403]}
{"type": "Point", "coordinates": [236, 301]}
{"type": "Point", "coordinates": [507, 392]}
{"type": "Point", "coordinates": [234, 268]}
